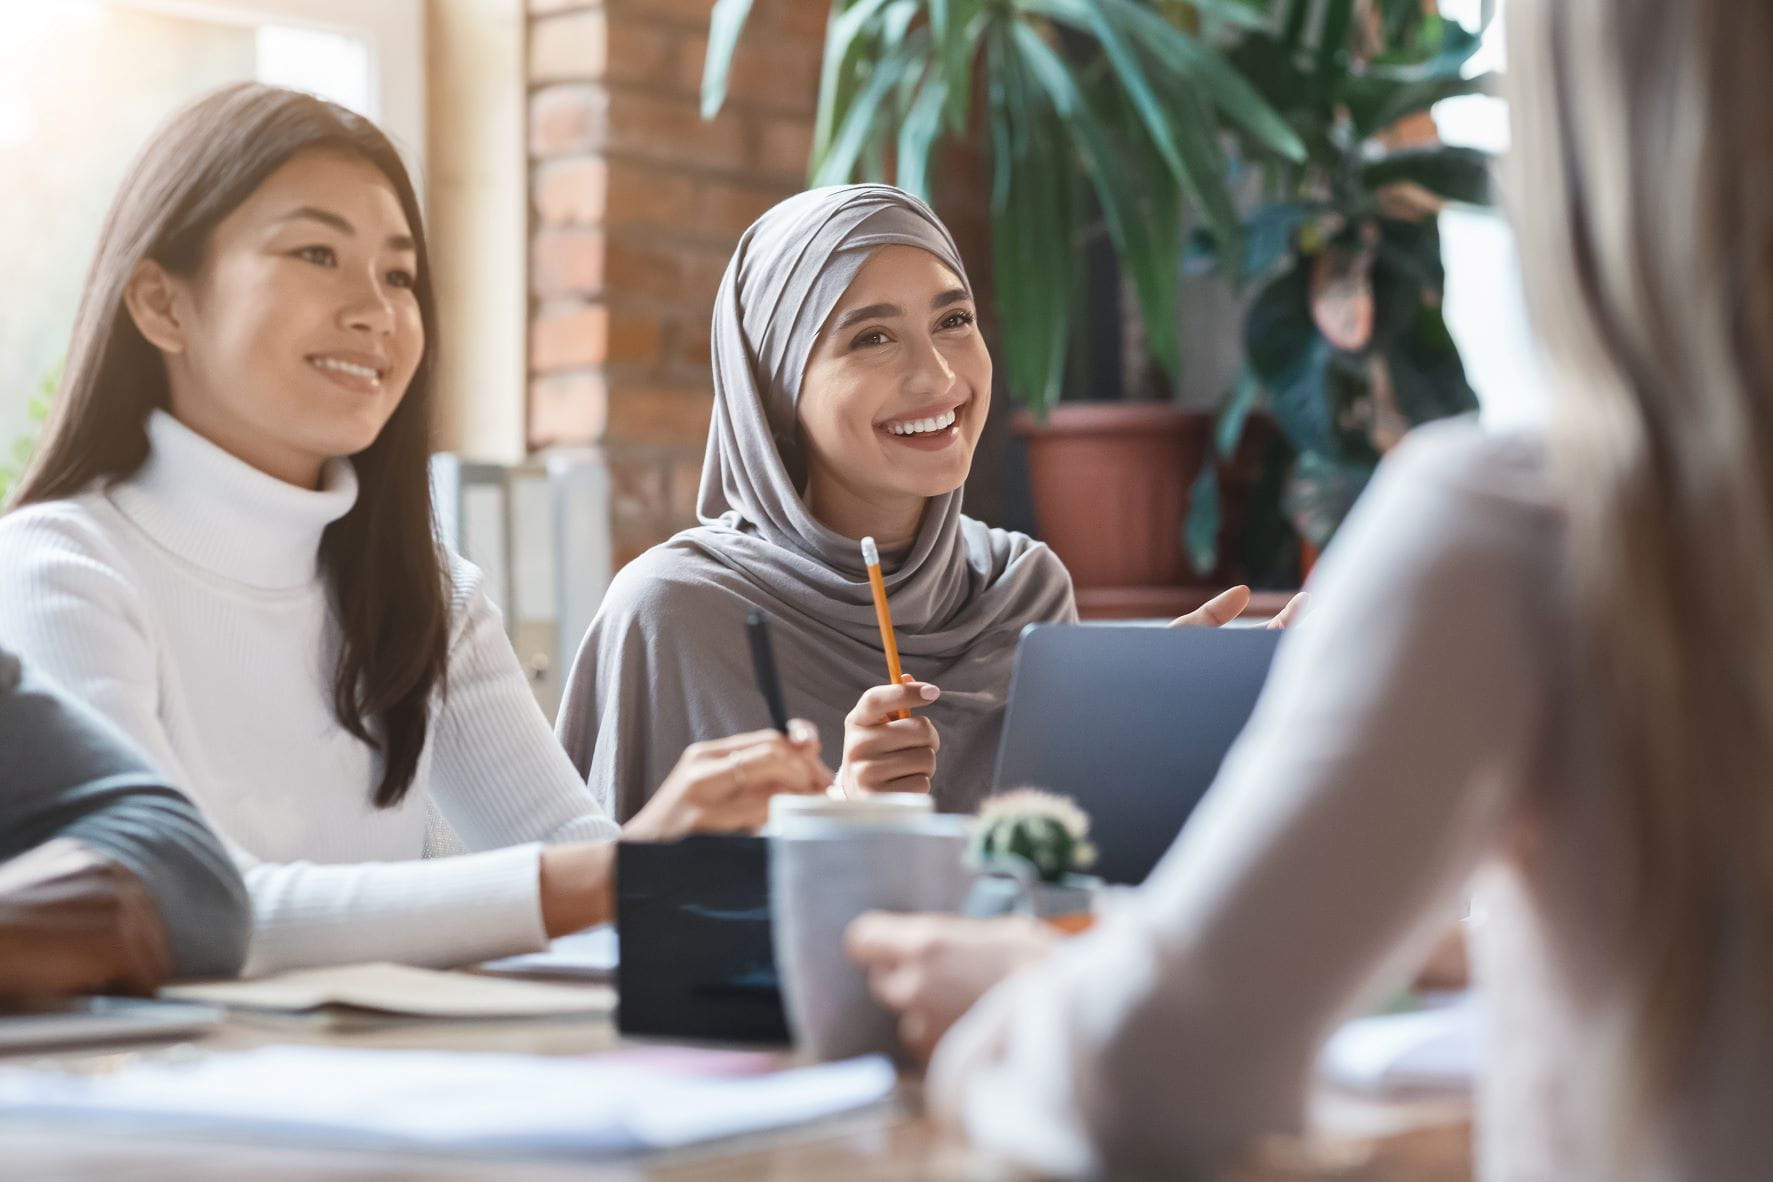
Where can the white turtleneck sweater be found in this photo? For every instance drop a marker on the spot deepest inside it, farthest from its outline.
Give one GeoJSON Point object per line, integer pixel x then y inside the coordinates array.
{"type": "Point", "coordinates": [185, 603]}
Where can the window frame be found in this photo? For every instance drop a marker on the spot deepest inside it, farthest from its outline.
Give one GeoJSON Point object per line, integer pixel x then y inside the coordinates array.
{"type": "Point", "coordinates": [393, 29]}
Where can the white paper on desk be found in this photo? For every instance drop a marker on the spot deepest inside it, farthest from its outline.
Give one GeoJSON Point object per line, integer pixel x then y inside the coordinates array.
{"type": "Point", "coordinates": [440, 1100]}
{"type": "Point", "coordinates": [591, 953]}
{"type": "Point", "coordinates": [398, 989]}
{"type": "Point", "coordinates": [1432, 1051]}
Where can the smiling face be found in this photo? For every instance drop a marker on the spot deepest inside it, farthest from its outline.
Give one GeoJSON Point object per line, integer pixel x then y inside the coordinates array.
{"type": "Point", "coordinates": [895, 393]}
{"type": "Point", "coordinates": [298, 335]}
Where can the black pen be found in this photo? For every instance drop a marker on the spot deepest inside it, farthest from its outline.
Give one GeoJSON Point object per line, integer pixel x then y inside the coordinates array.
{"type": "Point", "coordinates": [763, 661]}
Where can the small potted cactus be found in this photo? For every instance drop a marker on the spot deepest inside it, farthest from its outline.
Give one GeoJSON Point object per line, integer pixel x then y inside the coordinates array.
{"type": "Point", "coordinates": [1030, 847]}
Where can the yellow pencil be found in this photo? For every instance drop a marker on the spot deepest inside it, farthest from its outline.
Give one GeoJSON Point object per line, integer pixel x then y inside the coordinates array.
{"type": "Point", "coordinates": [871, 557]}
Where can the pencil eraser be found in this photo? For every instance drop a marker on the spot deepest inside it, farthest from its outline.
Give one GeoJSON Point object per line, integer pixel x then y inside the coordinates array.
{"type": "Point", "coordinates": [870, 552]}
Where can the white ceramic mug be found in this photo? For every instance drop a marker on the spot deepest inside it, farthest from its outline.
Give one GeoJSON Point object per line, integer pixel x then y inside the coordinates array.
{"type": "Point", "coordinates": [830, 861]}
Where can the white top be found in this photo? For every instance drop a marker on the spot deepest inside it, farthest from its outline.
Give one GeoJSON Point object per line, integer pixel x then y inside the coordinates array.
{"type": "Point", "coordinates": [1427, 722]}
{"type": "Point", "coordinates": [185, 603]}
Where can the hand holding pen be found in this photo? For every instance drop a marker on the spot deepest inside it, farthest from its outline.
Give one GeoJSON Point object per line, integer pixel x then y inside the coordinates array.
{"type": "Point", "coordinates": [725, 784]}
{"type": "Point", "coordinates": [885, 747]}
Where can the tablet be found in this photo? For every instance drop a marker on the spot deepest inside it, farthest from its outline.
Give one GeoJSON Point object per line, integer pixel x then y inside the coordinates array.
{"type": "Point", "coordinates": [1132, 722]}
{"type": "Point", "coordinates": [83, 1020]}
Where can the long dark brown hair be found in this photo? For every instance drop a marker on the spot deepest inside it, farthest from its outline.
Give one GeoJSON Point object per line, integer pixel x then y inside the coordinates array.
{"type": "Point", "coordinates": [382, 563]}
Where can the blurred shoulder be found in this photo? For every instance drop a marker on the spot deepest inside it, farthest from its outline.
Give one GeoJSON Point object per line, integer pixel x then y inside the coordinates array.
{"type": "Point", "coordinates": [1508, 471]}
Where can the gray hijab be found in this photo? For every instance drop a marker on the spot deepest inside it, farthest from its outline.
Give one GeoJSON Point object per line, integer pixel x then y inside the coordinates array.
{"type": "Point", "coordinates": [665, 662]}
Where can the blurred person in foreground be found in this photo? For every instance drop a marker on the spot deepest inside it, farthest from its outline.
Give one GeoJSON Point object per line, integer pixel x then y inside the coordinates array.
{"type": "Point", "coordinates": [109, 880]}
{"type": "Point", "coordinates": [1544, 661]}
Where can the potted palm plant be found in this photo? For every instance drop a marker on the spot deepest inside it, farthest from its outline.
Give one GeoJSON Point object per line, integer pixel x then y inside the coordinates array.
{"type": "Point", "coordinates": [1344, 342]}
{"type": "Point", "coordinates": [1097, 117]}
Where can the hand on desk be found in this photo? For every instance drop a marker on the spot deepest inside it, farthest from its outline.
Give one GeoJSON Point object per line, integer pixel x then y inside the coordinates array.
{"type": "Point", "coordinates": [930, 969]}
{"type": "Point", "coordinates": [884, 753]}
{"type": "Point", "coordinates": [74, 921]}
{"type": "Point", "coordinates": [1228, 605]}
{"type": "Point", "coordinates": [725, 785]}
{"type": "Point", "coordinates": [718, 786]}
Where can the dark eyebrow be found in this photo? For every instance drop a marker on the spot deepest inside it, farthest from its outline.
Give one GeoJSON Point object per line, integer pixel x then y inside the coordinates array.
{"type": "Point", "coordinates": [328, 218]}
{"type": "Point", "coordinates": [872, 311]}
{"type": "Point", "coordinates": [952, 296]}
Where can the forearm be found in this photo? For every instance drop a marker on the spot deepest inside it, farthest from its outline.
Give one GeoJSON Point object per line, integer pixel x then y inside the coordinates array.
{"type": "Point", "coordinates": [158, 836]}
{"type": "Point", "coordinates": [578, 886]}
{"type": "Point", "coordinates": [69, 771]}
{"type": "Point", "coordinates": [75, 920]}
{"type": "Point", "coordinates": [435, 912]}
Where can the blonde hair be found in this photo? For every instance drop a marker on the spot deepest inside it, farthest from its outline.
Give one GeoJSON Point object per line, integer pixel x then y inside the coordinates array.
{"type": "Point", "coordinates": [1643, 194]}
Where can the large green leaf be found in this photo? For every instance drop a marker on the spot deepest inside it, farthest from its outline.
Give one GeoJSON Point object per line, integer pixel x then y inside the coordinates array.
{"type": "Point", "coordinates": [1427, 373]}
{"type": "Point", "coordinates": [1320, 492]}
{"type": "Point", "coordinates": [1200, 533]}
{"type": "Point", "coordinates": [1439, 50]}
{"type": "Point", "coordinates": [860, 128]}
{"type": "Point", "coordinates": [895, 22]}
{"type": "Point", "coordinates": [1234, 415]}
{"type": "Point", "coordinates": [955, 27]}
{"type": "Point", "coordinates": [1293, 15]}
{"type": "Point", "coordinates": [1329, 60]}
{"type": "Point", "coordinates": [919, 132]}
{"type": "Point", "coordinates": [1270, 237]}
{"type": "Point", "coordinates": [1277, 75]}
{"type": "Point", "coordinates": [1375, 103]}
{"type": "Point", "coordinates": [846, 40]}
{"type": "Point", "coordinates": [1411, 250]}
{"type": "Point", "coordinates": [1142, 231]}
{"type": "Point", "coordinates": [1396, 18]}
{"type": "Point", "coordinates": [1204, 178]}
{"type": "Point", "coordinates": [1165, 132]}
{"type": "Point", "coordinates": [1230, 92]}
{"type": "Point", "coordinates": [1292, 360]}
{"type": "Point", "coordinates": [1456, 173]}
{"type": "Point", "coordinates": [1033, 221]}
{"type": "Point", "coordinates": [725, 23]}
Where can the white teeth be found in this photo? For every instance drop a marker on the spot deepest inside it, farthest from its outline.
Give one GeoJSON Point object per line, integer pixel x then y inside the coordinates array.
{"type": "Point", "coordinates": [362, 371]}
{"type": "Point", "coordinates": [923, 426]}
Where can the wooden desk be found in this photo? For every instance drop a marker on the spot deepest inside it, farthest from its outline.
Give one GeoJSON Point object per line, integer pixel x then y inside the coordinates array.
{"type": "Point", "coordinates": [890, 1143]}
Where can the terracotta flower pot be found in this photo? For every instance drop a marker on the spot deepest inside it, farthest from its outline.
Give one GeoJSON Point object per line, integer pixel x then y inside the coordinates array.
{"type": "Point", "coordinates": [1110, 485]}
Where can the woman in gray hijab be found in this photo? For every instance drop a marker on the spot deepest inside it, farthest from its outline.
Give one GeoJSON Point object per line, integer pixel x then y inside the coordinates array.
{"type": "Point", "coordinates": [850, 387]}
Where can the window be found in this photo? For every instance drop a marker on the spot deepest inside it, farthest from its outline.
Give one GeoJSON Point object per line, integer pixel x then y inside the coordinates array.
{"type": "Point", "coordinates": [1485, 308]}
{"type": "Point", "coordinates": [84, 82]}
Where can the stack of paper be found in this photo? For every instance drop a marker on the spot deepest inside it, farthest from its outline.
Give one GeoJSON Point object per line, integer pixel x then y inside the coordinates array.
{"type": "Point", "coordinates": [445, 1101]}
{"type": "Point", "coordinates": [590, 954]}
{"type": "Point", "coordinates": [397, 989]}
{"type": "Point", "coordinates": [1428, 1052]}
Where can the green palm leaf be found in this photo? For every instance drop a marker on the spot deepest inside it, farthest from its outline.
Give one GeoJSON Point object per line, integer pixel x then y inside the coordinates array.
{"type": "Point", "coordinates": [725, 23]}
{"type": "Point", "coordinates": [1228, 89]}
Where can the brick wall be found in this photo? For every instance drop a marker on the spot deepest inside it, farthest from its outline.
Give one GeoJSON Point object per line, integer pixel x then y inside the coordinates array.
{"type": "Point", "coordinates": [636, 205]}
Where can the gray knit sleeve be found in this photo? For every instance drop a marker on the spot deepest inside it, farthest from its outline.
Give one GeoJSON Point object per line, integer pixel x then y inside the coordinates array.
{"type": "Point", "coordinates": [66, 772]}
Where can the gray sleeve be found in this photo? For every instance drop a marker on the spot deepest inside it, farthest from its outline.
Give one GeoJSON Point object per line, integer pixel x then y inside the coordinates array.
{"type": "Point", "coordinates": [65, 772]}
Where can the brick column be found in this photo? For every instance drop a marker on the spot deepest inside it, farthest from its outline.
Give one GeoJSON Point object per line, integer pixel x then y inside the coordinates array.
{"type": "Point", "coordinates": [636, 206]}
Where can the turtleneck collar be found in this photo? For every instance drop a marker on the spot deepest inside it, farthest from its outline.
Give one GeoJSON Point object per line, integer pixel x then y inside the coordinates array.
{"type": "Point", "coordinates": [222, 514]}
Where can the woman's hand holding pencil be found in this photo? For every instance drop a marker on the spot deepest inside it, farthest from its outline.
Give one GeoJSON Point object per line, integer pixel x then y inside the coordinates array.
{"type": "Point", "coordinates": [724, 785]}
{"type": "Point", "coordinates": [885, 748]}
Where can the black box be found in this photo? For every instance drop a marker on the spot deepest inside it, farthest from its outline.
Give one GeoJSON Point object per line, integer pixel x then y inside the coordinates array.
{"type": "Point", "coordinates": [693, 922]}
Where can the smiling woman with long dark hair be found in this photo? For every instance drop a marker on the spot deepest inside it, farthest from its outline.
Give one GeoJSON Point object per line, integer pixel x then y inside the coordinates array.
{"type": "Point", "coordinates": [226, 545]}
